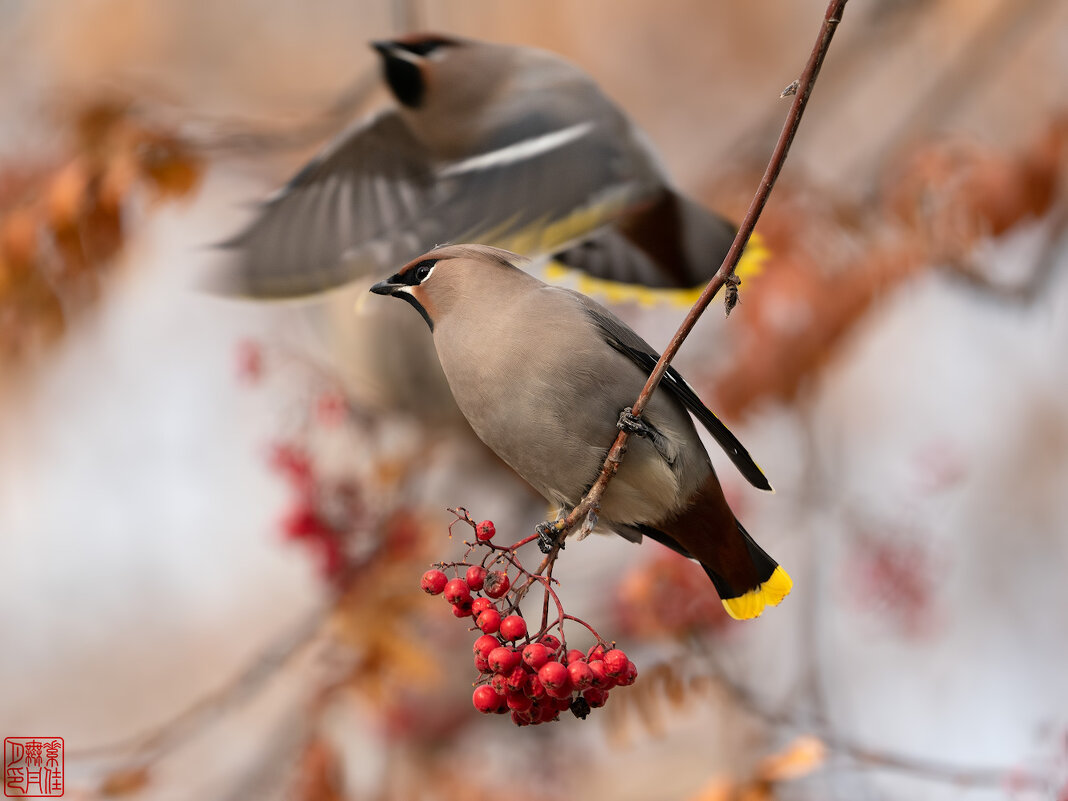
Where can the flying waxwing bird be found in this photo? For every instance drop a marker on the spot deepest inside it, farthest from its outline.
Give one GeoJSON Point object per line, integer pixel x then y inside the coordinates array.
{"type": "Point", "coordinates": [492, 143]}
{"type": "Point", "coordinates": [542, 374]}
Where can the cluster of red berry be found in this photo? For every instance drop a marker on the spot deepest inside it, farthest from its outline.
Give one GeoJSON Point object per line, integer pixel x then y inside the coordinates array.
{"type": "Point", "coordinates": [306, 522]}
{"type": "Point", "coordinates": [533, 676]}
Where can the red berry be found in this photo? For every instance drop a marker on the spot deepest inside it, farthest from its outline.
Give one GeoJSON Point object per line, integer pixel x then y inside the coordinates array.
{"type": "Point", "coordinates": [521, 718]}
{"type": "Point", "coordinates": [482, 664]}
{"type": "Point", "coordinates": [601, 679]}
{"type": "Point", "coordinates": [513, 627]}
{"type": "Point", "coordinates": [596, 652]}
{"type": "Point", "coordinates": [547, 712]}
{"type": "Point", "coordinates": [496, 584]}
{"type": "Point", "coordinates": [516, 681]}
{"type": "Point", "coordinates": [581, 675]}
{"type": "Point", "coordinates": [594, 697]}
{"type": "Point", "coordinates": [484, 644]}
{"type": "Point", "coordinates": [475, 576]}
{"type": "Point", "coordinates": [551, 642]}
{"type": "Point", "coordinates": [535, 689]}
{"type": "Point", "coordinates": [462, 609]}
{"type": "Point", "coordinates": [560, 693]}
{"type": "Point", "coordinates": [553, 675]}
{"type": "Point", "coordinates": [503, 660]}
{"type": "Point", "coordinates": [484, 531]}
{"type": "Point", "coordinates": [497, 682]}
{"type": "Point", "coordinates": [480, 605]}
{"type": "Point", "coordinates": [489, 621]}
{"type": "Point", "coordinates": [519, 702]}
{"type": "Point", "coordinates": [433, 582]}
{"type": "Point", "coordinates": [535, 655]}
{"type": "Point", "coordinates": [574, 655]}
{"type": "Point", "coordinates": [486, 700]}
{"type": "Point", "coordinates": [615, 662]}
{"type": "Point", "coordinates": [563, 703]}
{"type": "Point", "coordinates": [293, 462]}
{"type": "Point", "coordinates": [457, 591]}
{"type": "Point", "coordinates": [304, 522]}
{"type": "Point", "coordinates": [630, 675]}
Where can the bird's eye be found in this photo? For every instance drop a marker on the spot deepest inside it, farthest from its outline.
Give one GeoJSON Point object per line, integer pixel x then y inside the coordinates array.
{"type": "Point", "coordinates": [422, 271]}
{"type": "Point", "coordinates": [416, 274]}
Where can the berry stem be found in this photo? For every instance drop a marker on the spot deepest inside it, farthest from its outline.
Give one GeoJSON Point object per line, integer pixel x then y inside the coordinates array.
{"type": "Point", "coordinates": [581, 622]}
{"type": "Point", "coordinates": [545, 599]}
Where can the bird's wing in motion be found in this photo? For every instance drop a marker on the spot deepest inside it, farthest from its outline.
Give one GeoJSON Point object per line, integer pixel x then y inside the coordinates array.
{"type": "Point", "coordinates": [671, 242]}
{"type": "Point", "coordinates": [376, 198]}
{"type": "Point", "coordinates": [627, 342]}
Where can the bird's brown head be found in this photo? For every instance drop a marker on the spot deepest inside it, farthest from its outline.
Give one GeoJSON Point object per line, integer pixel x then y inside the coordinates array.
{"type": "Point", "coordinates": [446, 278]}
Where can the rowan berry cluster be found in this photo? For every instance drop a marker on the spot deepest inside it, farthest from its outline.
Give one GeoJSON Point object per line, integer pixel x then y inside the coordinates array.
{"type": "Point", "coordinates": [308, 520]}
{"type": "Point", "coordinates": [532, 675]}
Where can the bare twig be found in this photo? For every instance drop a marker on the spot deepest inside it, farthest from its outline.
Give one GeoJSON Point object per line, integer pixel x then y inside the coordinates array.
{"type": "Point", "coordinates": [725, 275]}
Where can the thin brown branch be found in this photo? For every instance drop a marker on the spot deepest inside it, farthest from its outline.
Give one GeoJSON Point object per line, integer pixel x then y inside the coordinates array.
{"type": "Point", "coordinates": [725, 275]}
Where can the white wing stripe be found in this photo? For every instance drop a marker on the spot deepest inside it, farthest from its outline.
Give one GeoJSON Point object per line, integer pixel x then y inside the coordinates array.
{"type": "Point", "coordinates": [520, 151]}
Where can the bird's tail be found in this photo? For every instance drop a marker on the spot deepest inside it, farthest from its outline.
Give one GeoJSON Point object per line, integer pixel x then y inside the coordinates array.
{"type": "Point", "coordinates": [741, 597]}
{"type": "Point", "coordinates": [746, 578]}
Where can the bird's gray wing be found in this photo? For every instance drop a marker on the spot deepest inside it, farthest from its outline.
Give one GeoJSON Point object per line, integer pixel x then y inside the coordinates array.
{"type": "Point", "coordinates": [348, 209]}
{"type": "Point", "coordinates": [547, 189]}
{"type": "Point", "coordinates": [621, 337]}
{"type": "Point", "coordinates": [671, 242]}
{"type": "Point", "coordinates": [377, 199]}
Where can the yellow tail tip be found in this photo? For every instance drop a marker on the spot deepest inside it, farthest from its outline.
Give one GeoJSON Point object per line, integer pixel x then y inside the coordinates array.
{"type": "Point", "coordinates": [752, 603]}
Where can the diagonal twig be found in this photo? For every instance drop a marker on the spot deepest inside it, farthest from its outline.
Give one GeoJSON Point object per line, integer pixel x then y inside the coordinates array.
{"type": "Point", "coordinates": [725, 274]}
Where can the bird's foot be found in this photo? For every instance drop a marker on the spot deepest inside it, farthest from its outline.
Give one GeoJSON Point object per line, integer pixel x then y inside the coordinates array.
{"type": "Point", "coordinates": [548, 535]}
{"type": "Point", "coordinates": [633, 424]}
{"type": "Point", "coordinates": [637, 426]}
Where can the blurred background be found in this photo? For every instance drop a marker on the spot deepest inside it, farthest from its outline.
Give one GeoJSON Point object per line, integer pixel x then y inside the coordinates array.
{"type": "Point", "coordinates": [213, 520]}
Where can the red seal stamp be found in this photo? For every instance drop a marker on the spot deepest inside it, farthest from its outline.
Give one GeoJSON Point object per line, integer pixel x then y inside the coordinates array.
{"type": "Point", "coordinates": [33, 767]}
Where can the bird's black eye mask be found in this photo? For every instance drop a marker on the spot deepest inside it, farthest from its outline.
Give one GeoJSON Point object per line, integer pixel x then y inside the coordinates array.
{"type": "Point", "coordinates": [416, 275]}
{"type": "Point", "coordinates": [405, 79]}
{"type": "Point", "coordinates": [411, 277]}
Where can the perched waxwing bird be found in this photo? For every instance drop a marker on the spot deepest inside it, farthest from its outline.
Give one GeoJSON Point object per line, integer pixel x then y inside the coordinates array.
{"type": "Point", "coordinates": [501, 144]}
{"type": "Point", "coordinates": [543, 373]}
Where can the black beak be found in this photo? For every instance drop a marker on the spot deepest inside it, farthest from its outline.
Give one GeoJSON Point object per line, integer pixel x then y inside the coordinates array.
{"type": "Point", "coordinates": [386, 287]}
{"type": "Point", "coordinates": [394, 287]}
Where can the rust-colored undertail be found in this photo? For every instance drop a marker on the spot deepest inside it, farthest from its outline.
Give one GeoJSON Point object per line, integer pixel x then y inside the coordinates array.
{"type": "Point", "coordinates": [746, 578]}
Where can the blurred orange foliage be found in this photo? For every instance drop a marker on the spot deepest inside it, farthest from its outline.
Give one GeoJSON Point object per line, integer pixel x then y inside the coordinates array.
{"type": "Point", "coordinates": [827, 266]}
{"type": "Point", "coordinates": [64, 220]}
{"type": "Point", "coordinates": [800, 758]}
{"type": "Point", "coordinates": [668, 594]}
